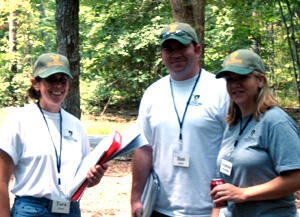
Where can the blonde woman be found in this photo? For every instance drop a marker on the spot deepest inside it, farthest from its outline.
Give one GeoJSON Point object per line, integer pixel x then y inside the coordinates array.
{"type": "Point", "coordinates": [260, 154]}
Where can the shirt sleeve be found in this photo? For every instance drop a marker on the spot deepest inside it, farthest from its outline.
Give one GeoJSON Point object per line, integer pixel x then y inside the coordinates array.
{"type": "Point", "coordinates": [9, 137]}
{"type": "Point", "coordinates": [143, 119]}
{"type": "Point", "coordinates": [85, 142]}
{"type": "Point", "coordinates": [284, 145]}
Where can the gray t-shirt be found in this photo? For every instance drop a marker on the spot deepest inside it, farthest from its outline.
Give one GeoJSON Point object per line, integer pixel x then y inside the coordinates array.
{"type": "Point", "coordinates": [264, 150]}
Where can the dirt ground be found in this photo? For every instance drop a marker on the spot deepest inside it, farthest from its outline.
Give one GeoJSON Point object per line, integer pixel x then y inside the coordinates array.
{"type": "Point", "coordinates": [111, 196]}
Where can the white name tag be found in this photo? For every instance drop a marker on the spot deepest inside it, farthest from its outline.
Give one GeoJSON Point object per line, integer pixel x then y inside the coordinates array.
{"type": "Point", "coordinates": [60, 207]}
{"type": "Point", "coordinates": [226, 167]}
{"type": "Point", "coordinates": [181, 160]}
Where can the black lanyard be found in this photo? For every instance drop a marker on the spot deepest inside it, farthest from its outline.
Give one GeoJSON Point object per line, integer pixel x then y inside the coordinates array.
{"type": "Point", "coordinates": [242, 129]}
{"type": "Point", "coordinates": [187, 104]}
{"type": "Point", "coordinates": [58, 157]}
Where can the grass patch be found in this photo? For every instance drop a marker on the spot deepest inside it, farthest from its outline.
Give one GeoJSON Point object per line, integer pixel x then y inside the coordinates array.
{"type": "Point", "coordinates": [3, 113]}
{"type": "Point", "coordinates": [94, 125]}
{"type": "Point", "coordinates": [103, 126]}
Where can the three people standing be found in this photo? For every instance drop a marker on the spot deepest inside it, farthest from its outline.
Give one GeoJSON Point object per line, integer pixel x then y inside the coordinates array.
{"type": "Point", "coordinates": [182, 118]}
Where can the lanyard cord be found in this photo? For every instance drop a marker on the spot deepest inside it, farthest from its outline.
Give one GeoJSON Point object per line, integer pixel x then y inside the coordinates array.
{"type": "Point", "coordinates": [187, 104]}
{"type": "Point", "coordinates": [58, 157]}
{"type": "Point", "coordinates": [242, 129]}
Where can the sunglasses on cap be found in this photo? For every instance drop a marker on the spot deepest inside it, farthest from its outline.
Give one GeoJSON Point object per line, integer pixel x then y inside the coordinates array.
{"type": "Point", "coordinates": [179, 33]}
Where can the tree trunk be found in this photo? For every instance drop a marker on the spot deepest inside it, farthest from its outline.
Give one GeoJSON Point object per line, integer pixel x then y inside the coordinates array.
{"type": "Point", "coordinates": [44, 35]}
{"type": "Point", "coordinates": [192, 12]}
{"type": "Point", "coordinates": [297, 60]}
{"type": "Point", "coordinates": [293, 56]}
{"type": "Point", "coordinates": [13, 40]}
{"type": "Point", "coordinates": [271, 57]}
{"type": "Point", "coordinates": [12, 52]}
{"type": "Point", "coordinates": [67, 39]}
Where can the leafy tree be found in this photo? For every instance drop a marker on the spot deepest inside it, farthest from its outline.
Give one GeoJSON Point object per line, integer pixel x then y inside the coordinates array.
{"type": "Point", "coordinates": [292, 44]}
{"type": "Point", "coordinates": [124, 54]}
{"type": "Point", "coordinates": [255, 25]}
{"type": "Point", "coordinates": [15, 67]}
{"type": "Point", "coordinates": [119, 49]}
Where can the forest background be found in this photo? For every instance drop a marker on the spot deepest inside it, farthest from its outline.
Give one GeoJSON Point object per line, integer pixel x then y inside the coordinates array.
{"type": "Point", "coordinates": [119, 53]}
{"type": "Point", "coordinates": [114, 53]}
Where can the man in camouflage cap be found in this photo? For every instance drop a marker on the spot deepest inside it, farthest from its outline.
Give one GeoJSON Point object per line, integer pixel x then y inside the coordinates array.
{"type": "Point", "coordinates": [181, 116]}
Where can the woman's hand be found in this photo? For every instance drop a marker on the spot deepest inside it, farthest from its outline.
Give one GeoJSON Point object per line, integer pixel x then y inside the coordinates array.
{"type": "Point", "coordinates": [286, 183]}
{"type": "Point", "coordinates": [224, 192]}
{"type": "Point", "coordinates": [95, 174]}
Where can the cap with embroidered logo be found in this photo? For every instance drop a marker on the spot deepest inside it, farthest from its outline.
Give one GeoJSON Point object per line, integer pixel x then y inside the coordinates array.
{"type": "Point", "coordinates": [241, 62]}
{"type": "Point", "coordinates": [181, 32]}
{"type": "Point", "coordinates": [49, 64]}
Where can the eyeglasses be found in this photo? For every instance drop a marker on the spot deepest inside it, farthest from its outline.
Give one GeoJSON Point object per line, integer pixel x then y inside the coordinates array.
{"type": "Point", "coordinates": [176, 33]}
{"type": "Point", "coordinates": [55, 80]}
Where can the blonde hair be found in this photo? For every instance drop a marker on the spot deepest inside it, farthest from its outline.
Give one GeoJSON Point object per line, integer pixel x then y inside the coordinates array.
{"type": "Point", "coordinates": [265, 100]}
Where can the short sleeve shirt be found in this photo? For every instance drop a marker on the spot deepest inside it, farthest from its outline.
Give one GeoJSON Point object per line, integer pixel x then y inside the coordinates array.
{"type": "Point", "coordinates": [264, 150]}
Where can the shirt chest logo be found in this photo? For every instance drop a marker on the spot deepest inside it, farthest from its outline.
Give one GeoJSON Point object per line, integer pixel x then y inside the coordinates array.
{"type": "Point", "coordinates": [195, 101]}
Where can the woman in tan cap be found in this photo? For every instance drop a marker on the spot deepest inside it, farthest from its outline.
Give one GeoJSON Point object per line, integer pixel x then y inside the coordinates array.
{"type": "Point", "coordinates": [42, 145]}
{"type": "Point", "coordinates": [259, 157]}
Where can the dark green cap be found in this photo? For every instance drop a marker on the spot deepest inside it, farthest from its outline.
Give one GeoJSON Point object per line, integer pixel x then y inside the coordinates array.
{"type": "Point", "coordinates": [241, 62]}
{"type": "Point", "coordinates": [49, 64]}
{"type": "Point", "coordinates": [181, 32]}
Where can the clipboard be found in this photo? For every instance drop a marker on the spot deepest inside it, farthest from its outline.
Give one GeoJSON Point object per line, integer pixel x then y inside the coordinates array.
{"type": "Point", "coordinates": [109, 148]}
{"type": "Point", "coordinates": [150, 193]}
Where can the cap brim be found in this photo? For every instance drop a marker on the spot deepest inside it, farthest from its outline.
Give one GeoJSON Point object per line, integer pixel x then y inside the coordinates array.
{"type": "Point", "coordinates": [54, 71]}
{"type": "Point", "coordinates": [234, 69]}
{"type": "Point", "coordinates": [177, 38]}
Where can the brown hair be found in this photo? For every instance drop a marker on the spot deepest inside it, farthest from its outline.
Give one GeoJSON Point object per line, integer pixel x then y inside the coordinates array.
{"type": "Point", "coordinates": [264, 101]}
{"type": "Point", "coordinates": [32, 93]}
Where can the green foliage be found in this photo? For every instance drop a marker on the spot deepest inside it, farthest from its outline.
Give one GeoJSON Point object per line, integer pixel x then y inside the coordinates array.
{"type": "Point", "coordinates": [120, 54]}
{"type": "Point", "coordinates": [257, 25]}
{"type": "Point", "coordinates": [125, 55]}
{"type": "Point", "coordinates": [32, 36]}
{"type": "Point", "coordinates": [286, 95]}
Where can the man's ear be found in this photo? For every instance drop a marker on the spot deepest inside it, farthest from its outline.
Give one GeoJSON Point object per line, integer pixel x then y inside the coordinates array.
{"type": "Point", "coordinates": [198, 49]}
{"type": "Point", "coordinates": [35, 84]}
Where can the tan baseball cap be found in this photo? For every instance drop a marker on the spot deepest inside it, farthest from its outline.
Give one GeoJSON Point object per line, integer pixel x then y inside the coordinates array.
{"type": "Point", "coordinates": [181, 32]}
{"type": "Point", "coordinates": [241, 62]}
{"type": "Point", "coordinates": [49, 64]}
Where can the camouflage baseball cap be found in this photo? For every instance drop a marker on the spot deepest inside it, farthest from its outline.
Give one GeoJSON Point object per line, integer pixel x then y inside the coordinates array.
{"type": "Point", "coordinates": [241, 62]}
{"type": "Point", "coordinates": [49, 64]}
{"type": "Point", "coordinates": [181, 32]}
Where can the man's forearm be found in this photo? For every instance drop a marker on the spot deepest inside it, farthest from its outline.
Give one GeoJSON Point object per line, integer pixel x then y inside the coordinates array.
{"type": "Point", "coordinates": [142, 165]}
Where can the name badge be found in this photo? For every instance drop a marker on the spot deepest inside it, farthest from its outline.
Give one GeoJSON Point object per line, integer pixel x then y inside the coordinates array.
{"type": "Point", "coordinates": [60, 207]}
{"type": "Point", "coordinates": [226, 167]}
{"type": "Point", "coordinates": [181, 160]}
